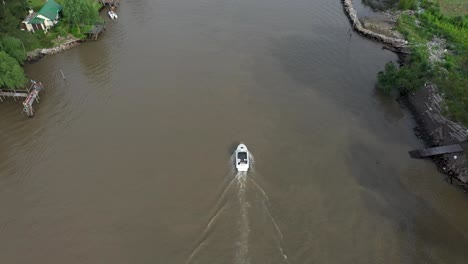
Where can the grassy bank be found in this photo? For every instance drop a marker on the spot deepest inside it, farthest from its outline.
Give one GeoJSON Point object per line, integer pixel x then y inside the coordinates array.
{"type": "Point", "coordinates": [77, 17]}
{"type": "Point", "coordinates": [15, 11]}
{"type": "Point", "coordinates": [11, 16]}
{"type": "Point", "coordinates": [439, 54]}
{"type": "Point", "coordinates": [453, 7]}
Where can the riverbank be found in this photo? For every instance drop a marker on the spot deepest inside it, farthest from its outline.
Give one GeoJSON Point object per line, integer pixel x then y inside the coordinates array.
{"type": "Point", "coordinates": [435, 129]}
{"type": "Point", "coordinates": [23, 38]}
{"type": "Point", "coordinates": [427, 104]}
{"type": "Point", "coordinates": [37, 54]}
{"type": "Point", "coordinates": [398, 44]}
{"type": "Point", "coordinates": [63, 43]}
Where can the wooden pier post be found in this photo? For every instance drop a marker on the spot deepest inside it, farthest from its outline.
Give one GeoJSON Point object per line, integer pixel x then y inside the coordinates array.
{"type": "Point", "coordinates": [31, 94]}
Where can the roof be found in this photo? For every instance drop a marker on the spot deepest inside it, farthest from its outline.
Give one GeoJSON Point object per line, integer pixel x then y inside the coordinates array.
{"type": "Point", "coordinates": [36, 20]}
{"type": "Point", "coordinates": [29, 17]}
{"type": "Point", "coordinates": [50, 10]}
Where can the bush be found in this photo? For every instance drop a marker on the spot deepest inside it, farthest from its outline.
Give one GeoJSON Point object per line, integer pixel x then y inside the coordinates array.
{"type": "Point", "coordinates": [386, 80]}
{"type": "Point", "coordinates": [11, 73]}
{"type": "Point", "coordinates": [451, 75]}
{"type": "Point", "coordinates": [407, 4]}
{"type": "Point", "coordinates": [406, 78]}
{"type": "Point", "coordinates": [79, 14]}
{"type": "Point", "coordinates": [13, 47]}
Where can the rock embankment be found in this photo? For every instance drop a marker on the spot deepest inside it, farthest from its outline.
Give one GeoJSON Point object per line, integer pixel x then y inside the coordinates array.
{"type": "Point", "coordinates": [397, 43]}
{"type": "Point", "coordinates": [437, 130]}
{"type": "Point", "coordinates": [39, 53]}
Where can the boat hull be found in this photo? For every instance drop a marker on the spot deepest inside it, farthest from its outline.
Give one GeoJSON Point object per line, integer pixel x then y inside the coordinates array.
{"type": "Point", "coordinates": [112, 15]}
{"type": "Point", "coordinates": [242, 158]}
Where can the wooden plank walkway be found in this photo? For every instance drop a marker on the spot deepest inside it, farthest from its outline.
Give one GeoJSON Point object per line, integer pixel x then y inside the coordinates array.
{"type": "Point", "coordinates": [12, 94]}
{"type": "Point", "coordinates": [429, 152]}
{"type": "Point", "coordinates": [32, 97]}
{"type": "Point", "coordinates": [31, 94]}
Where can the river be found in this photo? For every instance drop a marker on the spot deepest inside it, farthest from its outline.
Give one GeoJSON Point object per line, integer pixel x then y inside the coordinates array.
{"type": "Point", "coordinates": [128, 160]}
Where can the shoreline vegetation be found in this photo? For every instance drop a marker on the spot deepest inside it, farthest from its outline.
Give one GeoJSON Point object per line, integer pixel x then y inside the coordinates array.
{"type": "Point", "coordinates": [439, 55]}
{"type": "Point", "coordinates": [18, 46]}
{"type": "Point", "coordinates": [432, 79]}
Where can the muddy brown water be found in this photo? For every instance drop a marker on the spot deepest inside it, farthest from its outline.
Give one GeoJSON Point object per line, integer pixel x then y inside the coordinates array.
{"type": "Point", "coordinates": [128, 159]}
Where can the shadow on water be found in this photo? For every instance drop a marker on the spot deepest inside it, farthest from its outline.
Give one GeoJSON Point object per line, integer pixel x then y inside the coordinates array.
{"type": "Point", "coordinates": [412, 217]}
{"type": "Point", "coordinates": [393, 111]}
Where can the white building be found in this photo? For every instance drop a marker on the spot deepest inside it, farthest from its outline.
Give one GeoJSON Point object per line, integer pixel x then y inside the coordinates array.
{"type": "Point", "coordinates": [44, 19]}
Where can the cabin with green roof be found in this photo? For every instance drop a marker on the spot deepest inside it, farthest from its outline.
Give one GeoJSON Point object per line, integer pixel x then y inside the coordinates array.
{"type": "Point", "coordinates": [44, 19]}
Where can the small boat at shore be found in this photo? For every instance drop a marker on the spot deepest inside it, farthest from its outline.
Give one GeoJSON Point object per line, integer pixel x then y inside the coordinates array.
{"type": "Point", "coordinates": [112, 14]}
{"type": "Point", "coordinates": [242, 158]}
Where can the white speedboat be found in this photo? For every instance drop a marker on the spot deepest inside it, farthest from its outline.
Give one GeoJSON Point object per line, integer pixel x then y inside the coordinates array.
{"type": "Point", "coordinates": [112, 15]}
{"type": "Point", "coordinates": [242, 158]}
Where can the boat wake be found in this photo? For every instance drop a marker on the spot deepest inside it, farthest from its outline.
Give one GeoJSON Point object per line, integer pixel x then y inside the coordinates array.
{"type": "Point", "coordinates": [239, 185]}
{"type": "Point", "coordinates": [266, 207]}
{"type": "Point", "coordinates": [217, 212]}
{"type": "Point", "coordinates": [243, 224]}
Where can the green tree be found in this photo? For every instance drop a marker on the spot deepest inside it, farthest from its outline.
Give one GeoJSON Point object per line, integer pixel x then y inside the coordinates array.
{"type": "Point", "coordinates": [387, 79]}
{"type": "Point", "coordinates": [16, 8]}
{"type": "Point", "coordinates": [407, 4]}
{"type": "Point", "coordinates": [80, 13]}
{"type": "Point", "coordinates": [13, 47]}
{"type": "Point", "coordinates": [11, 73]}
{"type": "Point", "coordinates": [10, 14]}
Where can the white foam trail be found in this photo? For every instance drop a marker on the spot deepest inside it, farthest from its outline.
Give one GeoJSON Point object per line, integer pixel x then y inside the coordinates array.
{"type": "Point", "coordinates": [244, 227]}
{"type": "Point", "coordinates": [218, 209]}
{"type": "Point", "coordinates": [243, 224]}
{"type": "Point", "coordinates": [266, 203]}
{"type": "Point", "coordinates": [242, 179]}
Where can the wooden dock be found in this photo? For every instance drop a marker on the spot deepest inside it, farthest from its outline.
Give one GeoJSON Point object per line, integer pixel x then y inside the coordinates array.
{"type": "Point", "coordinates": [31, 94]}
{"type": "Point", "coordinates": [429, 152]}
{"type": "Point", "coordinates": [95, 31]}
{"type": "Point", "coordinates": [109, 2]}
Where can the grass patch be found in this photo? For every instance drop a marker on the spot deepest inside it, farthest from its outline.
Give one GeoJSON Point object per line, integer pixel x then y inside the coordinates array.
{"type": "Point", "coordinates": [453, 7]}
{"type": "Point", "coordinates": [450, 74]}
{"type": "Point", "coordinates": [407, 4]}
{"type": "Point", "coordinates": [33, 41]}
